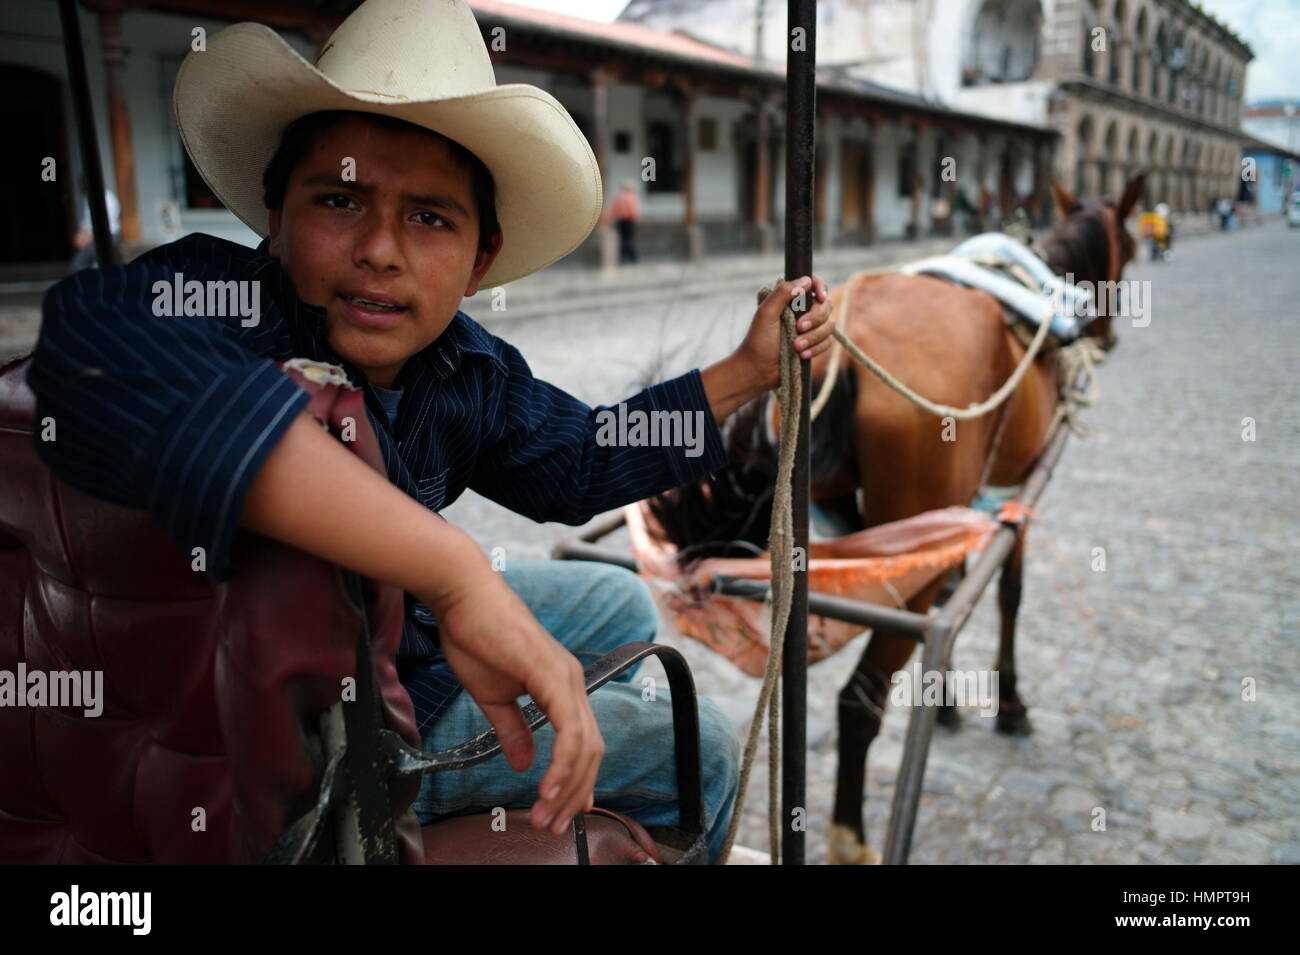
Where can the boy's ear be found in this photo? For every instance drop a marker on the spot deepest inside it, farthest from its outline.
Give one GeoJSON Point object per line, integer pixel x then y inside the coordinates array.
{"type": "Point", "coordinates": [482, 262]}
{"type": "Point", "coordinates": [274, 220]}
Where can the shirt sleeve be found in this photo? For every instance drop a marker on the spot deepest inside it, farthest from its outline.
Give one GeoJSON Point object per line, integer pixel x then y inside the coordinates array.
{"type": "Point", "coordinates": [551, 457]}
{"type": "Point", "coordinates": [174, 414]}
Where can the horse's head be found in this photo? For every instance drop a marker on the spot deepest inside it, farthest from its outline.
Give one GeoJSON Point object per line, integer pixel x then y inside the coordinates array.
{"type": "Point", "coordinates": [1091, 244]}
{"type": "Point", "coordinates": [728, 513]}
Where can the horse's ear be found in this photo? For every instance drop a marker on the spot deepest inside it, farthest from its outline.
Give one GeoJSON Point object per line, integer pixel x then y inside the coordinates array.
{"type": "Point", "coordinates": [1064, 200]}
{"type": "Point", "coordinates": [1132, 193]}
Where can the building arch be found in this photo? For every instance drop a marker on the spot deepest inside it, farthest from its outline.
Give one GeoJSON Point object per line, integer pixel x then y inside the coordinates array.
{"type": "Point", "coordinates": [1139, 56]}
{"type": "Point", "coordinates": [1003, 44]}
{"type": "Point", "coordinates": [1111, 160]}
{"type": "Point", "coordinates": [1159, 58]}
{"type": "Point", "coordinates": [1091, 19]}
{"type": "Point", "coordinates": [38, 222]}
{"type": "Point", "coordinates": [1116, 42]}
{"type": "Point", "coordinates": [1085, 158]}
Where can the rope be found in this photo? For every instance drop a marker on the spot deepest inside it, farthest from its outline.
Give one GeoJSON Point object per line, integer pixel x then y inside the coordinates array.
{"type": "Point", "coordinates": [780, 544]}
{"type": "Point", "coordinates": [933, 407]}
{"type": "Point", "coordinates": [837, 355]}
{"type": "Point", "coordinates": [1076, 366]}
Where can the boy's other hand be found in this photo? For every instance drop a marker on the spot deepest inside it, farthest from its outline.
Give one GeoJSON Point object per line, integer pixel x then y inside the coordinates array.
{"type": "Point", "coordinates": [754, 368]}
{"type": "Point", "coordinates": [499, 651]}
{"type": "Point", "coordinates": [761, 348]}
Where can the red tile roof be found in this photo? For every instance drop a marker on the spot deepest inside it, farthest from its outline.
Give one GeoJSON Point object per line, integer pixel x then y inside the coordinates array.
{"type": "Point", "coordinates": [633, 34]}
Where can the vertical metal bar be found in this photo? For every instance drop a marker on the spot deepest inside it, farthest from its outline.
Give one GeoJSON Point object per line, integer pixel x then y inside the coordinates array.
{"type": "Point", "coordinates": [80, 87]}
{"type": "Point", "coordinates": [800, 147]}
{"type": "Point", "coordinates": [911, 773]}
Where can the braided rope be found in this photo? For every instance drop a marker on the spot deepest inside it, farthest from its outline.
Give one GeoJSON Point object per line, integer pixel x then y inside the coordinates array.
{"type": "Point", "coordinates": [780, 594]}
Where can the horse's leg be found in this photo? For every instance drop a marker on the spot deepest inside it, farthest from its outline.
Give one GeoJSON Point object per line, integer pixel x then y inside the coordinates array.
{"type": "Point", "coordinates": [1012, 713]}
{"type": "Point", "coordinates": [861, 708]}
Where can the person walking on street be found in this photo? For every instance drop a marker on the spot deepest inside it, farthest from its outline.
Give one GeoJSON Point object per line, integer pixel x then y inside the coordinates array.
{"type": "Point", "coordinates": [625, 210]}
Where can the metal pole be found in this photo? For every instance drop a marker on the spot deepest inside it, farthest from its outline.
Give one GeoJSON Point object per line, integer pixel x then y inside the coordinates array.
{"type": "Point", "coordinates": [800, 144]}
{"type": "Point", "coordinates": [80, 86]}
{"type": "Point", "coordinates": [943, 631]}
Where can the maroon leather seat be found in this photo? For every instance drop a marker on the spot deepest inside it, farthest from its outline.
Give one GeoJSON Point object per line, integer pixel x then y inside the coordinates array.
{"type": "Point", "coordinates": [208, 744]}
{"type": "Point", "coordinates": [203, 751]}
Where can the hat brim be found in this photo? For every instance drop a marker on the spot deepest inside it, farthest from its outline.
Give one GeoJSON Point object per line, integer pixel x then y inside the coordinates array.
{"type": "Point", "coordinates": [233, 101]}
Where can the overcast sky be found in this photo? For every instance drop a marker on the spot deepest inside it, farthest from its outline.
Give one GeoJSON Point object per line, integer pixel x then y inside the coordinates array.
{"type": "Point", "coordinates": [1271, 27]}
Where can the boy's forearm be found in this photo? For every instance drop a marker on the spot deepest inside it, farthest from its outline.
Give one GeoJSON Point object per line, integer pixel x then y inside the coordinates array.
{"type": "Point", "coordinates": [314, 494]}
{"type": "Point", "coordinates": [728, 384]}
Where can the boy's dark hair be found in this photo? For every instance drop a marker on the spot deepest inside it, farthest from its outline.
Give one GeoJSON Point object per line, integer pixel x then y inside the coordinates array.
{"type": "Point", "coordinates": [299, 136]}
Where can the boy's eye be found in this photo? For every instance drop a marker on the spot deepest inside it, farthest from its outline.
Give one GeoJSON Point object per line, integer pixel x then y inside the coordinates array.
{"type": "Point", "coordinates": [431, 219]}
{"type": "Point", "coordinates": [335, 200]}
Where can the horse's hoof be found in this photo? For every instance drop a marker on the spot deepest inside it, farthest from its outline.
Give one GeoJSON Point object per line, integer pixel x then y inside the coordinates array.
{"type": "Point", "coordinates": [949, 716]}
{"type": "Point", "coordinates": [1014, 722]}
{"type": "Point", "coordinates": [843, 848]}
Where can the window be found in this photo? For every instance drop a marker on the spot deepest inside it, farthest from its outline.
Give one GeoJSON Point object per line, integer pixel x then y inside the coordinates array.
{"type": "Point", "coordinates": [906, 168]}
{"type": "Point", "coordinates": [622, 141]}
{"type": "Point", "coordinates": [707, 140]}
{"type": "Point", "coordinates": [1090, 23]}
{"type": "Point", "coordinates": [661, 139]}
{"type": "Point", "coordinates": [1003, 46]}
{"type": "Point", "coordinates": [936, 181]}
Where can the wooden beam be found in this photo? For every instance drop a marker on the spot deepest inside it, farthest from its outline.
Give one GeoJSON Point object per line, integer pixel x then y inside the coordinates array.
{"type": "Point", "coordinates": [119, 124]}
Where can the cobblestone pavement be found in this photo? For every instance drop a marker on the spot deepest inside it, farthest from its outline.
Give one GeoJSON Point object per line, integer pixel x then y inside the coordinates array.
{"type": "Point", "coordinates": [1134, 676]}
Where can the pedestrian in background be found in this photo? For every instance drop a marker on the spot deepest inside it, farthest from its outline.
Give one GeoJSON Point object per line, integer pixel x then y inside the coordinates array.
{"type": "Point", "coordinates": [625, 210]}
{"type": "Point", "coordinates": [84, 241]}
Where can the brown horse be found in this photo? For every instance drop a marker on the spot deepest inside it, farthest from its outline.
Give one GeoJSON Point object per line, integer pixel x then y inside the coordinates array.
{"type": "Point", "coordinates": [876, 457]}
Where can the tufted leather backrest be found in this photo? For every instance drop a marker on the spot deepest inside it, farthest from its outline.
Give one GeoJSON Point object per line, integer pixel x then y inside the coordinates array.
{"type": "Point", "coordinates": [206, 746]}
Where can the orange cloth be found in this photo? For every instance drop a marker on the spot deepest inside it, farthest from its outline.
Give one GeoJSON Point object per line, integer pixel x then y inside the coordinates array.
{"type": "Point", "coordinates": [881, 565]}
{"type": "Point", "coordinates": [625, 206]}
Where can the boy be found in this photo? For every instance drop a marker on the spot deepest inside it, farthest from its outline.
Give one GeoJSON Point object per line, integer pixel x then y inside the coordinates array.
{"type": "Point", "coordinates": [377, 225]}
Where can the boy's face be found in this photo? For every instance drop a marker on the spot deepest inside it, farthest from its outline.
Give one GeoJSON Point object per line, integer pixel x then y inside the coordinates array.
{"type": "Point", "coordinates": [404, 233]}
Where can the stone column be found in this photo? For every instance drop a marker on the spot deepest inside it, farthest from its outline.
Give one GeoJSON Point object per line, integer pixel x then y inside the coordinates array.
{"type": "Point", "coordinates": [1039, 204]}
{"type": "Point", "coordinates": [119, 124]}
{"type": "Point", "coordinates": [690, 223]}
{"type": "Point", "coordinates": [869, 186]}
{"type": "Point", "coordinates": [763, 228]}
{"type": "Point", "coordinates": [918, 181]}
{"type": "Point", "coordinates": [606, 238]}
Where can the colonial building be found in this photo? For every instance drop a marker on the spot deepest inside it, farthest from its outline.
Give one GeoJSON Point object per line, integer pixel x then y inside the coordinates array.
{"type": "Point", "coordinates": [1130, 85]}
{"type": "Point", "coordinates": [1273, 121]}
{"type": "Point", "coordinates": [697, 127]}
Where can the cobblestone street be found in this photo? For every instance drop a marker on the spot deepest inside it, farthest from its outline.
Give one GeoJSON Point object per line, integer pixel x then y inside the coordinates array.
{"type": "Point", "coordinates": [1134, 676]}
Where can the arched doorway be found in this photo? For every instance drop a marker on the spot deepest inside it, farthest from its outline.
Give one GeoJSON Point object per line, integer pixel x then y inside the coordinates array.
{"type": "Point", "coordinates": [38, 215]}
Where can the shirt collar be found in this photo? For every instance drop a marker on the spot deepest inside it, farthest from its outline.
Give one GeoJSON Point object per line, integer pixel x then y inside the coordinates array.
{"type": "Point", "coordinates": [442, 357]}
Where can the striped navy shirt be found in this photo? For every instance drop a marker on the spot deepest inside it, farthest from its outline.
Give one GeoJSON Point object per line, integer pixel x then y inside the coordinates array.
{"type": "Point", "coordinates": [176, 414]}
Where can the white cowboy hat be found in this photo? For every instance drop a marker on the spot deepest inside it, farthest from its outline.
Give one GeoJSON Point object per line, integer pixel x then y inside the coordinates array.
{"type": "Point", "coordinates": [422, 61]}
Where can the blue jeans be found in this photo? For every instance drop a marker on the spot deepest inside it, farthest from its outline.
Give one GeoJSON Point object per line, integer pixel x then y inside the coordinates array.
{"type": "Point", "coordinates": [592, 608]}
